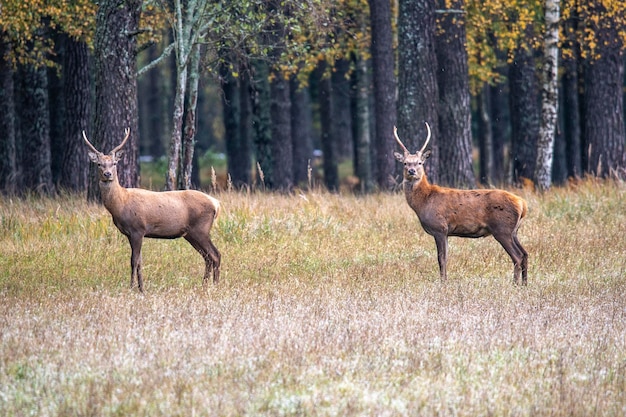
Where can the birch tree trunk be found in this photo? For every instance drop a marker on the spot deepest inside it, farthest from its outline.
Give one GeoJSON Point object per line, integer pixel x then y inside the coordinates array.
{"type": "Point", "coordinates": [177, 127]}
{"type": "Point", "coordinates": [549, 98]}
{"type": "Point", "coordinates": [189, 139]}
{"type": "Point", "coordinates": [181, 43]}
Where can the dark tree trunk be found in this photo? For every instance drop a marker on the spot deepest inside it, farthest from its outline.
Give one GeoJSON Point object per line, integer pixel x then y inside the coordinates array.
{"type": "Point", "coordinates": [360, 125]}
{"type": "Point", "coordinates": [244, 157]}
{"type": "Point", "coordinates": [342, 128]}
{"type": "Point", "coordinates": [571, 115]}
{"type": "Point", "coordinates": [231, 117]}
{"type": "Point", "coordinates": [282, 146]}
{"type": "Point", "coordinates": [604, 103]}
{"type": "Point", "coordinates": [56, 105]}
{"type": "Point", "coordinates": [559, 164]}
{"type": "Point", "coordinates": [525, 114]}
{"type": "Point", "coordinates": [331, 172]}
{"type": "Point", "coordinates": [8, 163]}
{"type": "Point", "coordinates": [485, 136]}
{"type": "Point", "coordinates": [418, 96]}
{"type": "Point", "coordinates": [77, 94]}
{"type": "Point", "coordinates": [384, 91]}
{"type": "Point", "coordinates": [301, 127]}
{"type": "Point", "coordinates": [500, 128]}
{"type": "Point", "coordinates": [262, 120]}
{"type": "Point", "coordinates": [455, 119]}
{"type": "Point", "coordinates": [35, 130]}
{"type": "Point", "coordinates": [116, 85]}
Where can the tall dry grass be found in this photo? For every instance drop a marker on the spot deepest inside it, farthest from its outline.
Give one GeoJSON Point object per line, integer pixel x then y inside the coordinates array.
{"type": "Point", "coordinates": [328, 305]}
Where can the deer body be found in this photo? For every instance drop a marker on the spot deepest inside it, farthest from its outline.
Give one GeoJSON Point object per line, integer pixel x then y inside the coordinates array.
{"type": "Point", "coordinates": [139, 213]}
{"type": "Point", "coordinates": [447, 212]}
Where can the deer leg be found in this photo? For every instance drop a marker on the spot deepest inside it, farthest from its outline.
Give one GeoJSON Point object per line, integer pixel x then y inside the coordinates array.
{"type": "Point", "coordinates": [442, 255]}
{"type": "Point", "coordinates": [524, 259]}
{"type": "Point", "coordinates": [135, 261]}
{"type": "Point", "coordinates": [210, 254]}
{"type": "Point", "coordinates": [509, 245]}
{"type": "Point", "coordinates": [216, 259]}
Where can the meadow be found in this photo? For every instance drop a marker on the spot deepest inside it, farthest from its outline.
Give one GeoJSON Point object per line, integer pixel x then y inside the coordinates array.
{"type": "Point", "coordinates": [328, 305]}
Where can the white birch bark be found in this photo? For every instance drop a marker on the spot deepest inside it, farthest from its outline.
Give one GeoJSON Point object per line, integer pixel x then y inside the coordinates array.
{"type": "Point", "coordinates": [179, 99]}
{"type": "Point", "coordinates": [549, 97]}
{"type": "Point", "coordinates": [190, 118]}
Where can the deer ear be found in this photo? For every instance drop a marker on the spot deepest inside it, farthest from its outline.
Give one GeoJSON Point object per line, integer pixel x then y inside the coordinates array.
{"type": "Point", "coordinates": [118, 155]}
{"type": "Point", "coordinates": [399, 156]}
{"type": "Point", "coordinates": [426, 154]}
{"type": "Point", "coordinates": [93, 157]}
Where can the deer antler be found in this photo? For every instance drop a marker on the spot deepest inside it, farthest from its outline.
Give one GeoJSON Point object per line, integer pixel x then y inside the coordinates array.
{"type": "Point", "coordinates": [89, 144]}
{"type": "Point", "coordinates": [427, 138]}
{"type": "Point", "coordinates": [395, 133]}
{"type": "Point", "coordinates": [118, 147]}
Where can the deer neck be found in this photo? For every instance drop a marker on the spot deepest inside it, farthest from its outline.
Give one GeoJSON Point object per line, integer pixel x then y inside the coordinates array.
{"type": "Point", "coordinates": [416, 191]}
{"type": "Point", "coordinates": [113, 195]}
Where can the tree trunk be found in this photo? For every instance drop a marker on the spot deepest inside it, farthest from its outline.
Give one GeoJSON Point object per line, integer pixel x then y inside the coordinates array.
{"type": "Point", "coordinates": [384, 81]}
{"type": "Point", "coordinates": [56, 104]}
{"type": "Point", "coordinates": [342, 128]}
{"type": "Point", "coordinates": [174, 154]}
{"type": "Point", "coordinates": [360, 125]}
{"type": "Point", "coordinates": [525, 114]}
{"type": "Point", "coordinates": [244, 154]}
{"type": "Point", "coordinates": [500, 128]}
{"type": "Point", "coordinates": [35, 130]}
{"type": "Point", "coordinates": [231, 116]}
{"type": "Point", "coordinates": [418, 92]}
{"type": "Point", "coordinates": [571, 105]}
{"type": "Point", "coordinates": [550, 97]}
{"type": "Point", "coordinates": [282, 146]}
{"type": "Point", "coordinates": [604, 106]}
{"type": "Point", "coordinates": [116, 86]}
{"type": "Point", "coordinates": [455, 124]}
{"type": "Point", "coordinates": [331, 172]}
{"type": "Point", "coordinates": [262, 121]}
{"type": "Point", "coordinates": [189, 138]}
{"type": "Point", "coordinates": [8, 162]}
{"type": "Point", "coordinates": [485, 135]}
{"type": "Point", "coordinates": [301, 127]}
{"type": "Point", "coordinates": [559, 164]}
{"type": "Point", "coordinates": [77, 93]}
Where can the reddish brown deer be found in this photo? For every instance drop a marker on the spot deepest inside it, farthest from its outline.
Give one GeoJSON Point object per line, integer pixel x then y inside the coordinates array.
{"type": "Point", "coordinates": [447, 212]}
{"type": "Point", "coordinates": [139, 213]}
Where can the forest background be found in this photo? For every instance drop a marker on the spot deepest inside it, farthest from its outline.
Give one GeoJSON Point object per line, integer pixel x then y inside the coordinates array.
{"type": "Point", "coordinates": [291, 91]}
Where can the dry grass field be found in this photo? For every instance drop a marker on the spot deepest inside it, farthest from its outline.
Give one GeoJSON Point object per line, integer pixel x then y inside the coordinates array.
{"type": "Point", "coordinates": [329, 305]}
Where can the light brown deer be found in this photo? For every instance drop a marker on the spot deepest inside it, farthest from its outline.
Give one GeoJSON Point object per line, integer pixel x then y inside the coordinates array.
{"type": "Point", "coordinates": [447, 212]}
{"type": "Point", "coordinates": [139, 213]}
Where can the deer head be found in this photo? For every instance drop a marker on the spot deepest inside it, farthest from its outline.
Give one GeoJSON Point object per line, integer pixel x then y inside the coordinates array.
{"type": "Point", "coordinates": [413, 163]}
{"type": "Point", "coordinates": [107, 164]}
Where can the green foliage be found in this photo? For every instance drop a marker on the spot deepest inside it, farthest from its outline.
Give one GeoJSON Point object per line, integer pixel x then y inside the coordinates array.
{"type": "Point", "coordinates": [26, 22]}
